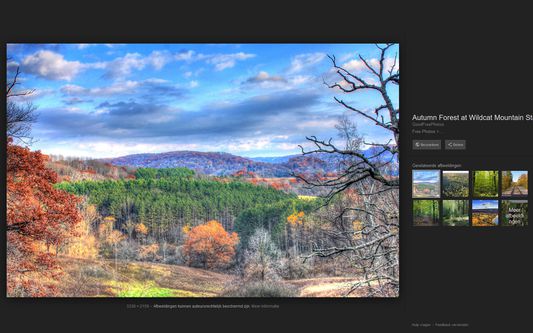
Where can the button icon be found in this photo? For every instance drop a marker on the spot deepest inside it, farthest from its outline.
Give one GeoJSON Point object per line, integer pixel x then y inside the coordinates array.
{"type": "Point", "coordinates": [455, 144]}
{"type": "Point", "coordinates": [427, 144]}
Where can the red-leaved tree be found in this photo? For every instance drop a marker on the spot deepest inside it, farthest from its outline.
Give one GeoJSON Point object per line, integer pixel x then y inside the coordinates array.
{"type": "Point", "coordinates": [40, 219]}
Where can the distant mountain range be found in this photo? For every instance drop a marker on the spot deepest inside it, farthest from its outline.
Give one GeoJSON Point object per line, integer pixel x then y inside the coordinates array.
{"type": "Point", "coordinates": [275, 159]}
{"type": "Point", "coordinates": [224, 164]}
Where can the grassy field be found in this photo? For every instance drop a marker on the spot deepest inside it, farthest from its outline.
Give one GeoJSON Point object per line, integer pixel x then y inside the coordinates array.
{"type": "Point", "coordinates": [99, 278]}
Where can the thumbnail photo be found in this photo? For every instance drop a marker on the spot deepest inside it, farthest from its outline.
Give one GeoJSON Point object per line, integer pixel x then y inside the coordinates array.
{"type": "Point", "coordinates": [485, 213]}
{"type": "Point", "coordinates": [514, 183]}
{"type": "Point", "coordinates": [455, 184]}
{"type": "Point", "coordinates": [514, 213]}
{"type": "Point", "coordinates": [455, 213]}
{"type": "Point", "coordinates": [485, 184]}
{"type": "Point", "coordinates": [426, 212]}
{"type": "Point", "coordinates": [426, 183]}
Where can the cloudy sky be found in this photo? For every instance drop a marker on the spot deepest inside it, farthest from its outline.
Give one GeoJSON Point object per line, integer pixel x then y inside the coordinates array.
{"type": "Point", "coordinates": [426, 176]}
{"type": "Point", "coordinates": [484, 204]}
{"type": "Point", "coordinates": [105, 100]}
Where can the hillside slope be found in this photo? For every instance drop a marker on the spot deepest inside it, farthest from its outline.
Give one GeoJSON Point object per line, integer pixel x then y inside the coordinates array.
{"type": "Point", "coordinates": [99, 278]}
{"type": "Point", "coordinates": [224, 164]}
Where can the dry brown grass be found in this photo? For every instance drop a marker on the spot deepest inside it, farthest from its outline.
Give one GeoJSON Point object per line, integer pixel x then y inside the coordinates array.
{"type": "Point", "coordinates": [96, 277]}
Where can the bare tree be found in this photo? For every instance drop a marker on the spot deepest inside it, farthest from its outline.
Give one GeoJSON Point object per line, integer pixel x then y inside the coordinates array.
{"type": "Point", "coordinates": [384, 115]}
{"type": "Point", "coordinates": [19, 116]}
{"type": "Point", "coordinates": [364, 230]}
{"type": "Point", "coordinates": [362, 199]}
{"type": "Point", "coordinates": [261, 257]}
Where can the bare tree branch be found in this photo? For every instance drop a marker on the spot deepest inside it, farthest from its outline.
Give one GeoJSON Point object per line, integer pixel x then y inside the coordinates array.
{"type": "Point", "coordinates": [19, 116]}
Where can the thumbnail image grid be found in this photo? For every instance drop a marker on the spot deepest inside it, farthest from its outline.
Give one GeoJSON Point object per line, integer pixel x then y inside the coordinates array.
{"type": "Point", "coordinates": [470, 198]}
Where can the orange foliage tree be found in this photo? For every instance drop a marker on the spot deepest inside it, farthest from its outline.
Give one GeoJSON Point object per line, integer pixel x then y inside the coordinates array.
{"type": "Point", "coordinates": [38, 217]}
{"type": "Point", "coordinates": [142, 231]}
{"type": "Point", "coordinates": [297, 218]}
{"type": "Point", "coordinates": [209, 245]}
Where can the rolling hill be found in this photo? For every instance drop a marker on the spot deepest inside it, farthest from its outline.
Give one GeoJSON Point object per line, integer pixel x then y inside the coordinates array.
{"type": "Point", "coordinates": [225, 164]}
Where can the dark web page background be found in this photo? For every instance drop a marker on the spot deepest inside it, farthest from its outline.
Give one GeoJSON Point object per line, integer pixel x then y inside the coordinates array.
{"type": "Point", "coordinates": [460, 269]}
{"type": "Point", "coordinates": [455, 59]}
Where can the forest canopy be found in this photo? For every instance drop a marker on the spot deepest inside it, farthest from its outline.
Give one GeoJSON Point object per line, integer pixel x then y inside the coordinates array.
{"type": "Point", "coordinates": [165, 200]}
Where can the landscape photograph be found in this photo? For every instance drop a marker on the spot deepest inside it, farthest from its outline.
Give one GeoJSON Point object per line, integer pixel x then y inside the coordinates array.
{"type": "Point", "coordinates": [514, 184]}
{"type": "Point", "coordinates": [203, 170]}
{"type": "Point", "coordinates": [485, 184]}
{"type": "Point", "coordinates": [485, 213]}
{"type": "Point", "coordinates": [426, 213]}
{"type": "Point", "coordinates": [426, 183]}
{"type": "Point", "coordinates": [455, 184]}
{"type": "Point", "coordinates": [455, 213]}
{"type": "Point", "coordinates": [515, 213]}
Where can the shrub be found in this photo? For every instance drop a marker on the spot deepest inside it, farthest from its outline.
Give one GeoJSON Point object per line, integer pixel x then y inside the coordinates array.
{"type": "Point", "coordinates": [294, 267]}
{"type": "Point", "coordinates": [149, 252]}
{"type": "Point", "coordinates": [127, 250]}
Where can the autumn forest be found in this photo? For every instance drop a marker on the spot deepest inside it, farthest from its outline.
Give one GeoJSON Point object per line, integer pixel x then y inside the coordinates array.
{"type": "Point", "coordinates": [309, 211]}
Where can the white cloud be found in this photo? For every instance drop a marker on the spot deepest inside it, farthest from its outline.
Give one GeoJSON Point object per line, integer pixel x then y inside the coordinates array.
{"type": "Point", "coordinates": [357, 65]}
{"type": "Point", "coordinates": [158, 59]}
{"type": "Point", "coordinates": [184, 55]}
{"type": "Point", "coordinates": [193, 84]}
{"type": "Point", "coordinates": [266, 81]}
{"type": "Point", "coordinates": [122, 87]}
{"type": "Point", "coordinates": [248, 145]}
{"type": "Point", "coordinates": [123, 66]}
{"type": "Point", "coordinates": [156, 81]}
{"type": "Point", "coordinates": [149, 86]}
{"type": "Point", "coordinates": [190, 74]}
{"type": "Point", "coordinates": [322, 123]}
{"type": "Point", "coordinates": [51, 65]}
{"type": "Point", "coordinates": [347, 56]}
{"type": "Point", "coordinates": [300, 79]}
{"type": "Point", "coordinates": [224, 61]}
{"type": "Point", "coordinates": [306, 60]}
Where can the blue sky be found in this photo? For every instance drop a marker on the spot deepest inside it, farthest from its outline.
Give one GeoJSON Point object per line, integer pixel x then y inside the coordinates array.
{"type": "Point", "coordinates": [105, 100]}
{"type": "Point", "coordinates": [426, 176]}
{"type": "Point", "coordinates": [517, 174]}
{"type": "Point", "coordinates": [484, 204]}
